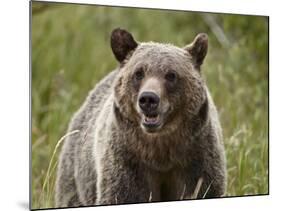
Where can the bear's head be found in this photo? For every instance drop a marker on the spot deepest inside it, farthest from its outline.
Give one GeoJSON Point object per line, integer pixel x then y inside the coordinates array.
{"type": "Point", "coordinates": [159, 86]}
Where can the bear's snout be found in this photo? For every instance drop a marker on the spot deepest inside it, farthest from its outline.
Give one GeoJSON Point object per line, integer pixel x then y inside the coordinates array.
{"type": "Point", "coordinates": [149, 102]}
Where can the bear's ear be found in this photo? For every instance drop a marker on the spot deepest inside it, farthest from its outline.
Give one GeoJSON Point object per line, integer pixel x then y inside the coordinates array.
{"type": "Point", "coordinates": [122, 43]}
{"type": "Point", "coordinates": [198, 49]}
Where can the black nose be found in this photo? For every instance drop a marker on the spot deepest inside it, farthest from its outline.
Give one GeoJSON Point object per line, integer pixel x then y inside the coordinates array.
{"type": "Point", "coordinates": [148, 101]}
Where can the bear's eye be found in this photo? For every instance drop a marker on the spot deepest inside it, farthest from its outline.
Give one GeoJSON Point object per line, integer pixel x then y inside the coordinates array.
{"type": "Point", "coordinates": [139, 74]}
{"type": "Point", "coordinates": [170, 76]}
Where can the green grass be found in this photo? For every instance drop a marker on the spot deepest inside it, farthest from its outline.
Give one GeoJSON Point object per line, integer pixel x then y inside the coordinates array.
{"type": "Point", "coordinates": [71, 53]}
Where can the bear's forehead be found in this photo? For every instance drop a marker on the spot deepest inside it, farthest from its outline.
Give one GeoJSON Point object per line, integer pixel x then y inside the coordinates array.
{"type": "Point", "coordinates": [153, 50]}
{"type": "Point", "coordinates": [155, 54]}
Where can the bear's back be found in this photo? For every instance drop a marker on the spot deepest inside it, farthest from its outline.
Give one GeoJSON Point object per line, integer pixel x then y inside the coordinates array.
{"type": "Point", "coordinates": [76, 149]}
{"type": "Point", "coordinates": [93, 103]}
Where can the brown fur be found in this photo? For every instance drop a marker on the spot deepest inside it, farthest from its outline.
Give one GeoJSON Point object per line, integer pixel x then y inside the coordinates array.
{"type": "Point", "coordinates": [115, 160]}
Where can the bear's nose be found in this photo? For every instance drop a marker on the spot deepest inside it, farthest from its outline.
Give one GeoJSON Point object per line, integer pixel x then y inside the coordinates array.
{"type": "Point", "coordinates": [148, 101]}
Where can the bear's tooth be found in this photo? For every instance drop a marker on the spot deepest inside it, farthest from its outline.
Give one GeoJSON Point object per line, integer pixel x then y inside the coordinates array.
{"type": "Point", "coordinates": [151, 119]}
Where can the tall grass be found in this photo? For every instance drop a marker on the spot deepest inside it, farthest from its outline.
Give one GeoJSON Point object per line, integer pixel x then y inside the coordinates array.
{"type": "Point", "coordinates": [71, 53]}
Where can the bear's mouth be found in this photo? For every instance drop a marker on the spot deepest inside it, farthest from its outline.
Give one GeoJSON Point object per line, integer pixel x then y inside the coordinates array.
{"type": "Point", "coordinates": [151, 122]}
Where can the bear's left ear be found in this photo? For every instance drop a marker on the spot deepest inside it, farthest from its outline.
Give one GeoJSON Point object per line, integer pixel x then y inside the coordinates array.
{"type": "Point", "coordinates": [198, 49]}
{"type": "Point", "coordinates": [122, 43]}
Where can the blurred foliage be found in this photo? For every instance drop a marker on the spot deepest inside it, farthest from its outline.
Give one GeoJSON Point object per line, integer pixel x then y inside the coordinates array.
{"type": "Point", "coordinates": [71, 53]}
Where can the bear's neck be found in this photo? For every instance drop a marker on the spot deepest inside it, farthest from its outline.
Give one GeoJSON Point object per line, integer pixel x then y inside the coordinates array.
{"type": "Point", "coordinates": [160, 151]}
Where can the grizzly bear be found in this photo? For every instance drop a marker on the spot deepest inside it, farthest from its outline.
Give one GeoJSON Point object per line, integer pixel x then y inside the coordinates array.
{"type": "Point", "coordinates": [149, 131]}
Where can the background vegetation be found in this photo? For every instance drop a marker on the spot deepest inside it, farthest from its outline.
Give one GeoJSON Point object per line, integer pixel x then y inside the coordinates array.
{"type": "Point", "coordinates": [71, 52]}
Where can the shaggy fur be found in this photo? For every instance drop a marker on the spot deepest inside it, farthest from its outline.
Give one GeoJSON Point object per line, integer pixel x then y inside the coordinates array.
{"type": "Point", "coordinates": [112, 160]}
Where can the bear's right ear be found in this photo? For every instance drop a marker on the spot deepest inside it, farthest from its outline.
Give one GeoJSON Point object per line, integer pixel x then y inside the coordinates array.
{"type": "Point", "coordinates": [122, 43]}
